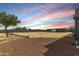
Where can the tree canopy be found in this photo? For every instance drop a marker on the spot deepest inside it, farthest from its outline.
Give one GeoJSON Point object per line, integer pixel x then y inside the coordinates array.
{"type": "Point", "coordinates": [8, 20]}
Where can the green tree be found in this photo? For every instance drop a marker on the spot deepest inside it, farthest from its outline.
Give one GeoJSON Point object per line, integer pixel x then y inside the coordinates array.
{"type": "Point", "coordinates": [8, 20]}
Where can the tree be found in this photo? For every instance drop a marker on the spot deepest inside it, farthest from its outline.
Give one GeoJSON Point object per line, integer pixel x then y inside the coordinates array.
{"type": "Point", "coordinates": [8, 20]}
{"type": "Point", "coordinates": [24, 28]}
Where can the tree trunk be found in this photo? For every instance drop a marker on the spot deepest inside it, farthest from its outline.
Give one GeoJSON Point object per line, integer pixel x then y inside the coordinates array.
{"type": "Point", "coordinates": [6, 31]}
{"type": "Point", "coordinates": [13, 29]}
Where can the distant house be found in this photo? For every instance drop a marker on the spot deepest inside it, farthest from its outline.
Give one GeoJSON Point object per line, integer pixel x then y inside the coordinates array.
{"type": "Point", "coordinates": [51, 30]}
{"type": "Point", "coordinates": [59, 30]}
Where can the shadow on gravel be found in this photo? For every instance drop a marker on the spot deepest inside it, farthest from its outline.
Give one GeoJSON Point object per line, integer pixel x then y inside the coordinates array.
{"type": "Point", "coordinates": [20, 35]}
{"type": "Point", "coordinates": [62, 47]}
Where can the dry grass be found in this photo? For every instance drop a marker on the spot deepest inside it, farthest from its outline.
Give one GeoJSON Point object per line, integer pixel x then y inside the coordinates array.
{"type": "Point", "coordinates": [4, 38]}
{"type": "Point", "coordinates": [44, 34]}
{"type": "Point", "coordinates": [55, 35]}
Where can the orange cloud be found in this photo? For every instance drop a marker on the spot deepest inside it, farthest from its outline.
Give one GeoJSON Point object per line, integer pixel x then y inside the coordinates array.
{"type": "Point", "coordinates": [58, 26]}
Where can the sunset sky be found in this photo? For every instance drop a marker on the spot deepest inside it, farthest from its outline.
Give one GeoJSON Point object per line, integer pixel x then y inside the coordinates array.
{"type": "Point", "coordinates": [42, 16]}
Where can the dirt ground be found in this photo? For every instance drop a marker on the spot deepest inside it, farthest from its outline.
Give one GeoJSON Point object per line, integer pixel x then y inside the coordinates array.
{"type": "Point", "coordinates": [25, 46]}
{"type": "Point", "coordinates": [22, 46]}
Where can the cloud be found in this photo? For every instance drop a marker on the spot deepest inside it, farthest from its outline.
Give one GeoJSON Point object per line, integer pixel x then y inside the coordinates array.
{"type": "Point", "coordinates": [61, 26]}
{"type": "Point", "coordinates": [58, 26]}
{"type": "Point", "coordinates": [58, 14]}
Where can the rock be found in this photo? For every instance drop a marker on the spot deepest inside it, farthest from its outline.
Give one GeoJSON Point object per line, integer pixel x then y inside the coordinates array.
{"type": "Point", "coordinates": [27, 36]}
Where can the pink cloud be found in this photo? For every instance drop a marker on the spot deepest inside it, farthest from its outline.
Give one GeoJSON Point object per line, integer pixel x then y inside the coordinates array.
{"type": "Point", "coordinates": [57, 14]}
{"type": "Point", "coordinates": [60, 26]}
